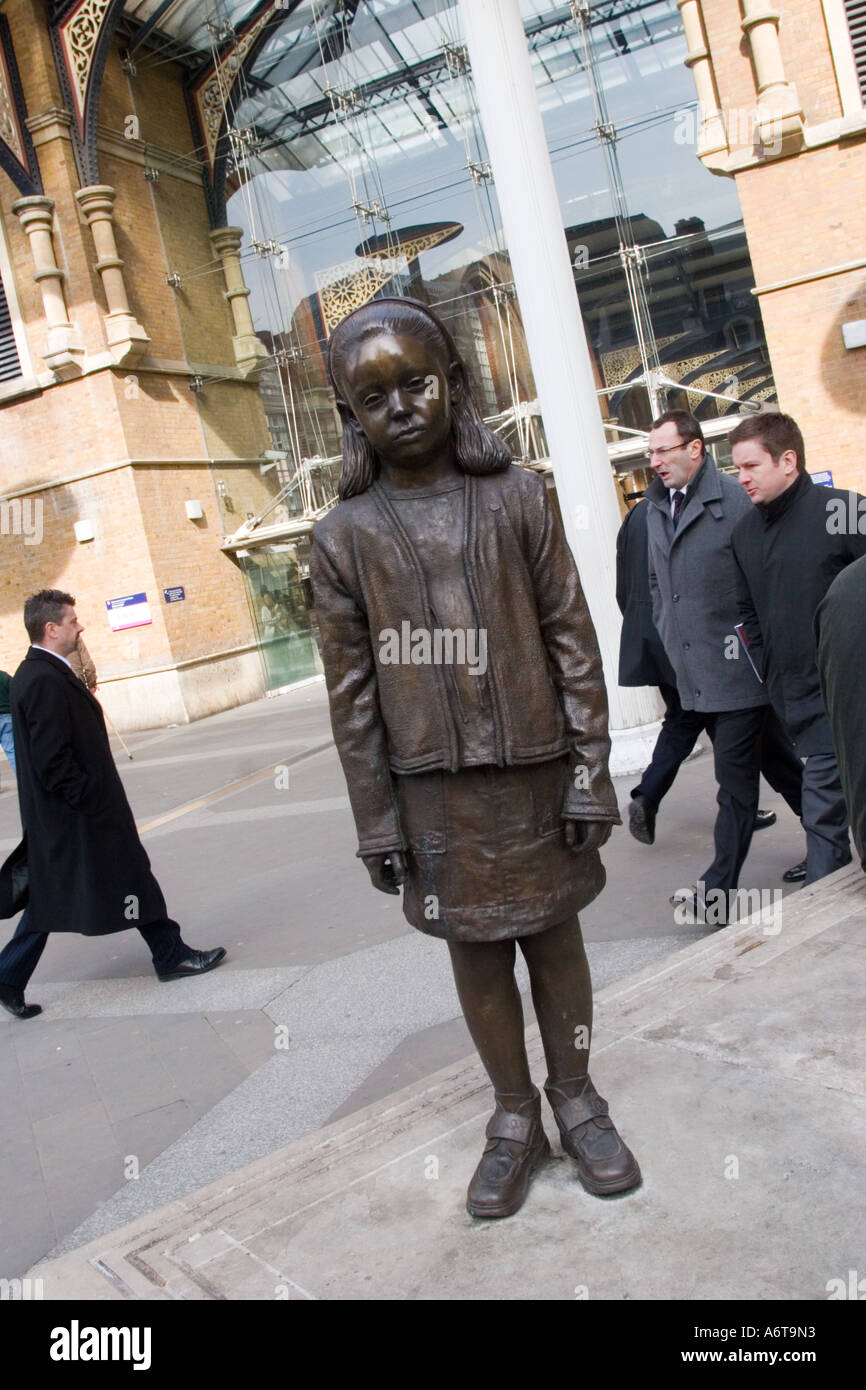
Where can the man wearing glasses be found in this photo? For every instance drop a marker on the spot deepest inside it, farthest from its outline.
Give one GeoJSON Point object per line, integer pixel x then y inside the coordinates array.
{"type": "Point", "coordinates": [692, 510]}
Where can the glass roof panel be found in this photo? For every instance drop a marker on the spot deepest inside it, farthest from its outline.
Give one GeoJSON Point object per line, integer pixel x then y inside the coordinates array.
{"type": "Point", "coordinates": [186, 21]}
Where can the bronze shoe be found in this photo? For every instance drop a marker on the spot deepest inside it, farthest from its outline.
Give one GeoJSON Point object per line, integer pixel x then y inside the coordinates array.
{"type": "Point", "coordinates": [605, 1165]}
{"type": "Point", "coordinates": [516, 1145]}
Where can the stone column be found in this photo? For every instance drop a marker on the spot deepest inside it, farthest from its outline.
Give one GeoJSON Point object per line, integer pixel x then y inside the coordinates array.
{"type": "Point", "coordinates": [250, 351]}
{"type": "Point", "coordinates": [534, 234]}
{"type": "Point", "coordinates": [63, 351]}
{"type": "Point", "coordinates": [780, 116]}
{"type": "Point", "coordinates": [125, 336]}
{"type": "Point", "coordinates": [712, 138]}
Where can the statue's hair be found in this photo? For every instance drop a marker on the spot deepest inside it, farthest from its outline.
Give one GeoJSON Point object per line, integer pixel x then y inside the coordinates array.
{"type": "Point", "coordinates": [476, 448]}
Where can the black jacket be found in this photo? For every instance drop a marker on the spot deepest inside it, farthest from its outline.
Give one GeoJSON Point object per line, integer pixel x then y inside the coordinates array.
{"type": "Point", "coordinates": [642, 657]}
{"type": "Point", "coordinates": [88, 870]}
{"type": "Point", "coordinates": [840, 629]}
{"type": "Point", "coordinates": [787, 555]}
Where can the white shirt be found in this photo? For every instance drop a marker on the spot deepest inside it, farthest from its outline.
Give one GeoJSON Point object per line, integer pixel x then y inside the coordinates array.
{"type": "Point", "coordinates": [36, 647]}
{"type": "Point", "coordinates": [672, 491]}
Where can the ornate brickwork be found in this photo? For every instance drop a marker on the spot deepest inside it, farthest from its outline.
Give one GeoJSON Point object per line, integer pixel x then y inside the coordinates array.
{"type": "Point", "coordinates": [10, 130]}
{"type": "Point", "coordinates": [212, 95]}
{"type": "Point", "coordinates": [17, 155]}
{"type": "Point", "coordinates": [350, 284]}
{"type": "Point", "coordinates": [413, 246]}
{"type": "Point", "coordinates": [79, 36]}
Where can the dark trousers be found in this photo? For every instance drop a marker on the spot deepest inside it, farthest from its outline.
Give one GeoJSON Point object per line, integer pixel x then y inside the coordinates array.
{"type": "Point", "coordinates": [778, 761]}
{"type": "Point", "coordinates": [745, 744]}
{"type": "Point", "coordinates": [825, 817]}
{"type": "Point", "coordinates": [20, 957]}
{"type": "Point", "coordinates": [777, 758]}
{"type": "Point", "coordinates": [677, 737]}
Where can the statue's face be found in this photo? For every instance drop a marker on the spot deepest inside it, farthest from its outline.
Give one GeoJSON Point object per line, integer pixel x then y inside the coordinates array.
{"type": "Point", "coordinates": [400, 394]}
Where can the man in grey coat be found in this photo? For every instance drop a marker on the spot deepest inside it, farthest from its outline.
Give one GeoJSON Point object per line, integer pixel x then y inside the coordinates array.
{"type": "Point", "coordinates": [692, 511]}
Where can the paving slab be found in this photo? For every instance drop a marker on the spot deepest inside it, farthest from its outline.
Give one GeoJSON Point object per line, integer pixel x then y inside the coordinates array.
{"type": "Point", "coordinates": [729, 1068]}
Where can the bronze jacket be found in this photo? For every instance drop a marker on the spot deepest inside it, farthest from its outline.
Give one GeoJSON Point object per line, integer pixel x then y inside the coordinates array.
{"type": "Point", "coordinates": [544, 672]}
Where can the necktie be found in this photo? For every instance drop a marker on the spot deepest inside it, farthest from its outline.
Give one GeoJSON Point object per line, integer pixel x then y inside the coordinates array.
{"type": "Point", "coordinates": [679, 498]}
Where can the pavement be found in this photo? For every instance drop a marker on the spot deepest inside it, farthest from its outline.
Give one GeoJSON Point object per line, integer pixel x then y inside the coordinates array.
{"type": "Point", "coordinates": [126, 1095]}
{"type": "Point", "coordinates": [735, 1076]}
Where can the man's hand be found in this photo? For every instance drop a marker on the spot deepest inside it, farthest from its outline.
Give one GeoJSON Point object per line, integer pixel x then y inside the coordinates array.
{"type": "Point", "coordinates": [387, 871]}
{"type": "Point", "coordinates": [581, 835]}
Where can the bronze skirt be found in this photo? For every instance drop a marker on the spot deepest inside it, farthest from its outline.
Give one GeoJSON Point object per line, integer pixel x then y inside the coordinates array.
{"type": "Point", "coordinates": [487, 858]}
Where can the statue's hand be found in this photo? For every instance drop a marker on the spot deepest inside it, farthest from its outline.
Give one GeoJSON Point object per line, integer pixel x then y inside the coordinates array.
{"type": "Point", "coordinates": [581, 835]}
{"type": "Point", "coordinates": [387, 871]}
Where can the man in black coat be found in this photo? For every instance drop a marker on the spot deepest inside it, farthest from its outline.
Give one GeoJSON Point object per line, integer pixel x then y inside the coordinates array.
{"type": "Point", "coordinates": [643, 661]}
{"type": "Point", "coordinates": [788, 550]}
{"type": "Point", "coordinates": [81, 866]}
{"type": "Point", "coordinates": [840, 630]}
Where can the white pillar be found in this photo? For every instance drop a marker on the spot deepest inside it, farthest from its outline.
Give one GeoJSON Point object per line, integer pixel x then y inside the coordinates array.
{"type": "Point", "coordinates": [534, 234]}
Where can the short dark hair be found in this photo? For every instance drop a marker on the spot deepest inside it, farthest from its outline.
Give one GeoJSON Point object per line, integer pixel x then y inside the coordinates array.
{"type": "Point", "coordinates": [688, 426]}
{"type": "Point", "coordinates": [476, 448]}
{"type": "Point", "coordinates": [45, 607]}
{"type": "Point", "coordinates": [777, 433]}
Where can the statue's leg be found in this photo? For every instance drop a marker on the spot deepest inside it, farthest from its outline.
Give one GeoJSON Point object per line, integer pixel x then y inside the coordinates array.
{"type": "Point", "coordinates": [490, 999]}
{"type": "Point", "coordinates": [516, 1142]}
{"type": "Point", "coordinates": [562, 995]}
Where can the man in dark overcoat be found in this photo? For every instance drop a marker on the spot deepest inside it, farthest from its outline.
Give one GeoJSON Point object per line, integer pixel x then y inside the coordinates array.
{"type": "Point", "coordinates": [840, 632]}
{"type": "Point", "coordinates": [643, 661]}
{"type": "Point", "coordinates": [81, 866]}
{"type": "Point", "coordinates": [790, 545]}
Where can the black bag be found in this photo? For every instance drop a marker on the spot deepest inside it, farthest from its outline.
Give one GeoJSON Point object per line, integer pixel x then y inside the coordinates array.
{"type": "Point", "coordinates": [15, 881]}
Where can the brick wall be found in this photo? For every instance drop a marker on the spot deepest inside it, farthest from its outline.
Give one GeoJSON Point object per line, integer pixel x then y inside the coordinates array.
{"type": "Point", "coordinates": [115, 563]}
{"type": "Point", "coordinates": [805, 53]}
{"type": "Point", "coordinates": [804, 214]}
{"type": "Point", "coordinates": [141, 416]}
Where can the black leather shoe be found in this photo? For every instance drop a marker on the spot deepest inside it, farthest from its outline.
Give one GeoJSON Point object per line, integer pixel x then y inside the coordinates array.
{"type": "Point", "coordinates": [605, 1165]}
{"type": "Point", "coordinates": [763, 819]}
{"type": "Point", "coordinates": [795, 874]}
{"type": "Point", "coordinates": [516, 1144]}
{"type": "Point", "coordinates": [13, 1002]}
{"type": "Point", "coordinates": [642, 820]}
{"type": "Point", "coordinates": [196, 964]}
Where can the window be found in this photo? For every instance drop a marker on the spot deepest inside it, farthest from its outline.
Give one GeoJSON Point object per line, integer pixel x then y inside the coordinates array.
{"type": "Point", "coordinates": [855, 13]}
{"type": "Point", "coordinates": [10, 365]}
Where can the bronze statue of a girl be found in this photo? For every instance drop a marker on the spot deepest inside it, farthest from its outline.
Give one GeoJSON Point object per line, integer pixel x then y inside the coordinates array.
{"type": "Point", "coordinates": [470, 715]}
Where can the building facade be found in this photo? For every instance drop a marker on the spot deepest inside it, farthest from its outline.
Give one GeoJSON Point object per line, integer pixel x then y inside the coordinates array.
{"type": "Point", "coordinates": [782, 93]}
{"type": "Point", "coordinates": [193, 194]}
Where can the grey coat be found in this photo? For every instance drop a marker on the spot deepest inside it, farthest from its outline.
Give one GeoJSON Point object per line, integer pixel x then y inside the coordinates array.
{"type": "Point", "coordinates": [693, 584]}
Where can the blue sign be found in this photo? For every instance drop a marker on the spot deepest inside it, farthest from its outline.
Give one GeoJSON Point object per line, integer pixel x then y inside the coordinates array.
{"type": "Point", "coordinates": [173, 595]}
{"type": "Point", "coordinates": [824, 479]}
{"type": "Point", "coordinates": [133, 610]}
